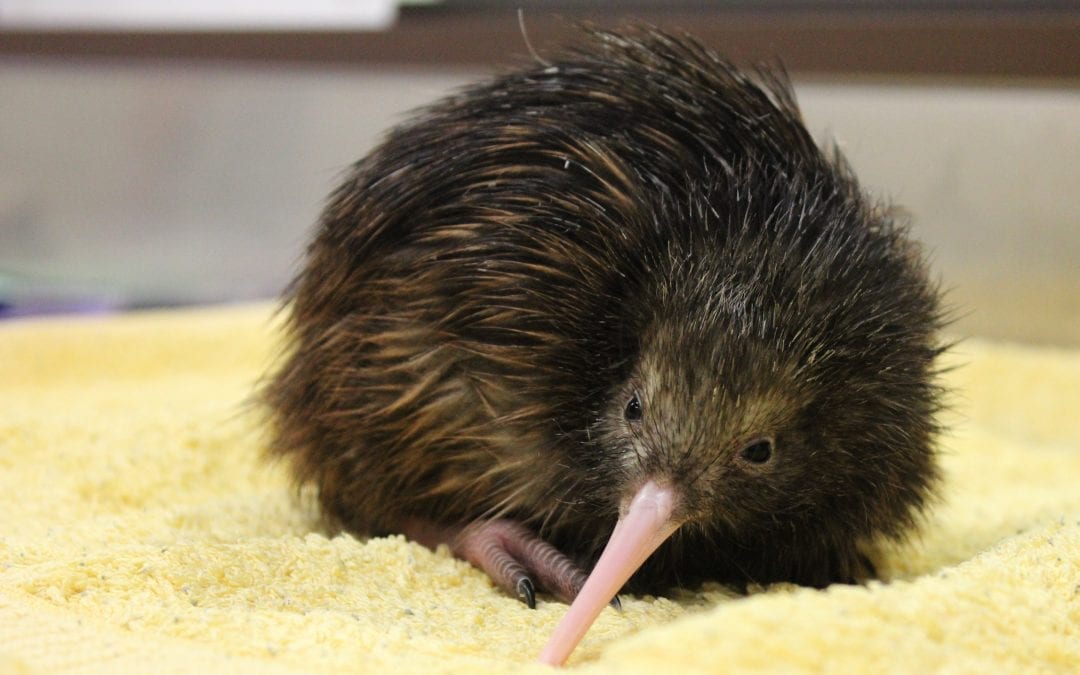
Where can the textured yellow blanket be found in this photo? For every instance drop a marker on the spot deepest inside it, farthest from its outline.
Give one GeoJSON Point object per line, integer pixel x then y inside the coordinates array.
{"type": "Point", "coordinates": [139, 531]}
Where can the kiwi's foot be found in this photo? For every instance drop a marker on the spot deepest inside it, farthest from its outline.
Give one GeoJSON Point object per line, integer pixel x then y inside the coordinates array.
{"type": "Point", "coordinates": [510, 554]}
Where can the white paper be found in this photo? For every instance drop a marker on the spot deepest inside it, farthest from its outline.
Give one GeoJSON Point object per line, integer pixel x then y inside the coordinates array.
{"type": "Point", "coordinates": [197, 14]}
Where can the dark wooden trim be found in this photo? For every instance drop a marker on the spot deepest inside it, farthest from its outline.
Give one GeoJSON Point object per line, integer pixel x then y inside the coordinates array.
{"type": "Point", "coordinates": [1027, 44]}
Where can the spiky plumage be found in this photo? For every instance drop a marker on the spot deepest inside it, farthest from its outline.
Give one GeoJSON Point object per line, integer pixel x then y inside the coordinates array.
{"type": "Point", "coordinates": [493, 282]}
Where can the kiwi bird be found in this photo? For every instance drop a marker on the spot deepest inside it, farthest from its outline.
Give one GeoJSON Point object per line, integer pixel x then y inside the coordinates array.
{"type": "Point", "coordinates": [622, 292]}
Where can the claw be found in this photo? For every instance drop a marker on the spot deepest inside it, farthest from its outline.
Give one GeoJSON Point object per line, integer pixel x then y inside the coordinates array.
{"type": "Point", "coordinates": [526, 592]}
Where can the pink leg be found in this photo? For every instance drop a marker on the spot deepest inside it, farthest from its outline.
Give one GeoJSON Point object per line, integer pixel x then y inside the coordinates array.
{"type": "Point", "coordinates": [510, 554]}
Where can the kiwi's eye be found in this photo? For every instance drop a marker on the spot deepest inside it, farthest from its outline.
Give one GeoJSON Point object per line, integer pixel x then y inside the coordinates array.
{"type": "Point", "coordinates": [633, 409]}
{"type": "Point", "coordinates": [758, 451]}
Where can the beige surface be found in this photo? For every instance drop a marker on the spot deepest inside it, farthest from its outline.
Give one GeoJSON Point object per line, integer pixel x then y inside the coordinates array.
{"type": "Point", "coordinates": [140, 532]}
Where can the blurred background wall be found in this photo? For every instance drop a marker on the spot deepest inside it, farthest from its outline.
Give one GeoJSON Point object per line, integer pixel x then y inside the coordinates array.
{"type": "Point", "coordinates": [154, 165]}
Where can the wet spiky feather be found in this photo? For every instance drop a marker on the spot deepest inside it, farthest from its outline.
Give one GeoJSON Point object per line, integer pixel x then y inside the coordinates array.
{"type": "Point", "coordinates": [490, 283]}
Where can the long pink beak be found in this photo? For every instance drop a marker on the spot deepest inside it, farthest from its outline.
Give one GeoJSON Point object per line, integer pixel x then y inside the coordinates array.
{"type": "Point", "coordinates": [646, 524]}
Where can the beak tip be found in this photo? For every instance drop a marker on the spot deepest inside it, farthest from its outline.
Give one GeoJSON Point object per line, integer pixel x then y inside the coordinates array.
{"type": "Point", "coordinates": [646, 523]}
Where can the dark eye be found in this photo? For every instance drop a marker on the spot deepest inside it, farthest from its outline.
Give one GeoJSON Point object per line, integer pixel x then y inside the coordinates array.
{"type": "Point", "coordinates": [758, 451]}
{"type": "Point", "coordinates": [633, 409]}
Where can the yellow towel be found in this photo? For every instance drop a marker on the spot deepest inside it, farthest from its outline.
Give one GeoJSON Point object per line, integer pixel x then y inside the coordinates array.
{"type": "Point", "coordinates": [140, 531]}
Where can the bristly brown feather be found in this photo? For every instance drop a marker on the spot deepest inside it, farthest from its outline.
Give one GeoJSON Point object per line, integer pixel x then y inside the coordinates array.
{"type": "Point", "coordinates": [487, 286]}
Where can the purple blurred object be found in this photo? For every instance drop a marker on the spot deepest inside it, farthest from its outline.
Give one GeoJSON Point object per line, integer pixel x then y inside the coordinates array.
{"type": "Point", "coordinates": [52, 306]}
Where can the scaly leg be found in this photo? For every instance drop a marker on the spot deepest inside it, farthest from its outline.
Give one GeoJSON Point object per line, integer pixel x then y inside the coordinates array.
{"type": "Point", "coordinates": [510, 554]}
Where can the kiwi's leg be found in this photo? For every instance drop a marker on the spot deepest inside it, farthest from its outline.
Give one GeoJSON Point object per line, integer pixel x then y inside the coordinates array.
{"type": "Point", "coordinates": [510, 554]}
